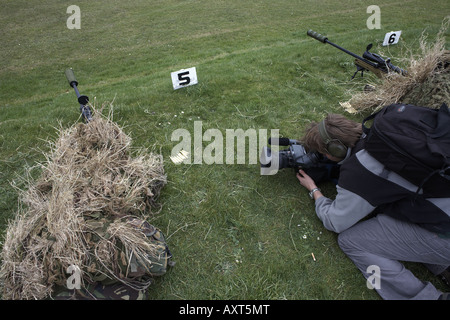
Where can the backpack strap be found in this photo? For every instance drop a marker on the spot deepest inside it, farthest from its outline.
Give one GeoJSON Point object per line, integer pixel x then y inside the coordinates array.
{"type": "Point", "coordinates": [365, 129]}
{"type": "Point", "coordinates": [441, 132]}
{"type": "Point", "coordinates": [443, 120]}
{"type": "Point", "coordinates": [441, 172]}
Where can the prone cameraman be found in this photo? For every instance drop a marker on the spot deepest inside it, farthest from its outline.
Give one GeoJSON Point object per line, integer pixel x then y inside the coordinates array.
{"type": "Point", "coordinates": [389, 237]}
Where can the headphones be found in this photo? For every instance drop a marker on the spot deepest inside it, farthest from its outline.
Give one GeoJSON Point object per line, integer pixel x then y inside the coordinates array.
{"type": "Point", "coordinates": [334, 147]}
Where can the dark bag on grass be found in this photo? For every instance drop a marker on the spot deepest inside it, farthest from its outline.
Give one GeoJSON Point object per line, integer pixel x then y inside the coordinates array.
{"type": "Point", "coordinates": [414, 142]}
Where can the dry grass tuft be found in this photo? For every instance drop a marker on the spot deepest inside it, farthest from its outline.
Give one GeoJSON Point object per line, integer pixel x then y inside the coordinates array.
{"type": "Point", "coordinates": [427, 81]}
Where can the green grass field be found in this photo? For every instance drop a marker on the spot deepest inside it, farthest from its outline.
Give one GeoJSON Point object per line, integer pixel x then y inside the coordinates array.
{"type": "Point", "coordinates": [234, 233]}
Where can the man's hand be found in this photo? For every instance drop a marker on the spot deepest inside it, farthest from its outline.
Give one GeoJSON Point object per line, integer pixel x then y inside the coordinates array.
{"type": "Point", "coordinates": [308, 183]}
{"type": "Point", "coordinates": [306, 180]}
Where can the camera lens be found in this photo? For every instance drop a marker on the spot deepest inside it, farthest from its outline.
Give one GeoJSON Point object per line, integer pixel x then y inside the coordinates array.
{"type": "Point", "coordinates": [283, 159]}
{"type": "Point", "coordinates": [267, 157]}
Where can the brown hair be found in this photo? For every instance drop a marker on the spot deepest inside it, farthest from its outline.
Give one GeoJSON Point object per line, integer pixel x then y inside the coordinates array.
{"type": "Point", "coordinates": [338, 127]}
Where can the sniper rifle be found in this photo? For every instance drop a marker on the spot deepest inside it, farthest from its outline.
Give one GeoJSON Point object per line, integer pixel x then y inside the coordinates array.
{"type": "Point", "coordinates": [368, 62]}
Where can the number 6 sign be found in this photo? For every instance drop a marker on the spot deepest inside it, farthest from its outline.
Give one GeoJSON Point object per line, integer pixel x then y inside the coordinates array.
{"type": "Point", "coordinates": [391, 38]}
{"type": "Point", "coordinates": [184, 78]}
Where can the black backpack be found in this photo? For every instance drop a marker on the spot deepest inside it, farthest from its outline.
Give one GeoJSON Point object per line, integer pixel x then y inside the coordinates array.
{"type": "Point", "coordinates": [414, 142]}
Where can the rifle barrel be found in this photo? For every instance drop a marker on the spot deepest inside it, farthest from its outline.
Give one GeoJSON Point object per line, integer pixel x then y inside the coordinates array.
{"type": "Point", "coordinates": [324, 39]}
{"type": "Point", "coordinates": [82, 99]}
{"type": "Point", "coordinates": [352, 54]}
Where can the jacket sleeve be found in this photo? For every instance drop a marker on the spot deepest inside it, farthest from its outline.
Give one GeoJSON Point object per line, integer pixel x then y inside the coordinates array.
{"type": "Point", "coordinates": [343, 212]}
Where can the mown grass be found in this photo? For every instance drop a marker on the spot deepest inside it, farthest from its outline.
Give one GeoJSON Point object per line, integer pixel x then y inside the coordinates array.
{"type": "Point", "coordinates": [234, 234]}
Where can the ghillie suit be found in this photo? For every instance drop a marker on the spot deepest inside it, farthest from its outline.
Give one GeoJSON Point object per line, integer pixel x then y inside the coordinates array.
{"type": "Point", "coordinates": [88, 210]}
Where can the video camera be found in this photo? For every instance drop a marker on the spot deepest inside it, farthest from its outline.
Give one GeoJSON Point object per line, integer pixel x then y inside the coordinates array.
{"type": "Point", "coordinates": [295, 156]}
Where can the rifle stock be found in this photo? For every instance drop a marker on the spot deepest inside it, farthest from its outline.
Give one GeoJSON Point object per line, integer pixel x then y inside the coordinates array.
{"type": "Point", "coordinates": [361, 65]}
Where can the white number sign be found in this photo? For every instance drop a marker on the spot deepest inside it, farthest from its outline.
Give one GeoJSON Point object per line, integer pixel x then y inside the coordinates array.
{"type": "Point", "coordinates": [184, 78]}
{"type": "Point", "coordinates": [391, 38]}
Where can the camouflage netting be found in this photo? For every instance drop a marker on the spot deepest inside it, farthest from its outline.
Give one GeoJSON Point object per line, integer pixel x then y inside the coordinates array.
{"type": "Point", "coordinates": [426, 84]}
{"type": "Point", "coordinates": [83, 210]}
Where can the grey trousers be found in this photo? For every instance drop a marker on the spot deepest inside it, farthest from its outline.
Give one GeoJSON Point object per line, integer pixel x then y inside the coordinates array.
{"type": "Point", "coordinates": [383, 242]}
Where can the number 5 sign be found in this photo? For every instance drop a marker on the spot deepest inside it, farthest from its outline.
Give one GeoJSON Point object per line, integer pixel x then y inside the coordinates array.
{"type": "Point", "coordinates": [184, 78]}
{"type": "Point", "coordinates": [391, 38]}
